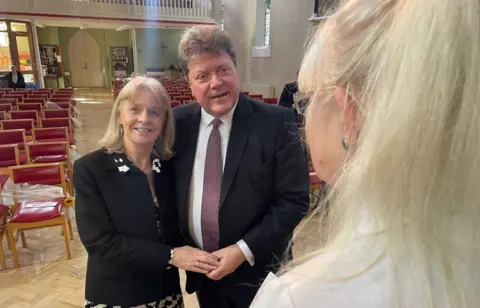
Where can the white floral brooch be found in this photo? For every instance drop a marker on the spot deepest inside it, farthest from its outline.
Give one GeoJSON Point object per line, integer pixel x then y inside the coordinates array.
{"type": "Point", "coordinates": [123, 168]}
{"type": "Point", "coordinates": [156, 165]}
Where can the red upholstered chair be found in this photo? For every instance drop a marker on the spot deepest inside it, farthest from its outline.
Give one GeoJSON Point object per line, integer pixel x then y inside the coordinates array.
{"type": "Point", "coordinates": [45, 90]}
{"type": "Point", "coordinates": [30, 106]}
{"type": "Point", "coordinates": [183, 99]}
{"type": "Point", "coordinates": [9, 156]}
{"type": "Point", "coordinates": [174, 104]}
{"type": "Point", "coordinates": [33, 214]}
{"type": "Point", "coordinates": [56, 113]}
{"type": "Point", "coordinates": [6, 90]}
{"type": "Point", "coordinates": [25, 114]}
{"type": "Point", "coordinates": [51, 152]}
{"type": "Point", "coordinates": [2, 115]}
{"type": "Point", "coordinates": [64, 90]}
{"type": "Point", "coordinates": [245, 93]}
{"type": "Point", "coordinates": [52, 134]}
{"type": "Point", "coordinates": [38, 95]}
{"type": "Point", "coordinates": [27, 125]}
{"type": "Point", "coordinates": [12, 101]}
{"type": "Point", "coordinates": [64, 105]}
{"type": "Point", "coordinates": [6, 107]}
{"type": "Point", "coordinates": [256, 96]}
{"type": "Point", "coordinates": [62, 94]}
{"type": "Point", "coordinates": [57, 122]}
{"type": "Point", "coordinates": [23, 90]}
{"type": "Point", "coordinates": [13, 137]}
{"type": "Point", "coordinates": [270, 100]}
{"type": "Point", "coordinates": [30, 100]}
{"type": "Point", "coordinates": [59, 100]}
{"type": "Point", "coordinates": [47, 152]}
{"type": "Point", "coordinates": [18, 96]}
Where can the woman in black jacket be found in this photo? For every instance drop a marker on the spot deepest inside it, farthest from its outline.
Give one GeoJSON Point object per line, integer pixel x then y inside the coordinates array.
{"type": "Point", "coordinates": [15, 79]}
{"type": "Point", "coordinates": [125, 207]}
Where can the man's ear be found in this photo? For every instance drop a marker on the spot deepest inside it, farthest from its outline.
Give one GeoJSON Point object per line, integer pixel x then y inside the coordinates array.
{"type": "Point", "coordinates": [346, 103]}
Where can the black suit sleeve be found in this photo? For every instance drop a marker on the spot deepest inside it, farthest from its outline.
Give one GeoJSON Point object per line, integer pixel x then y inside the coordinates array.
{"type": "Point", "coordinates": [286, 98]}
{"type": "Point", "coordinates": [99, 236]}
{"type": "Point", "coordinates": [291, 186]}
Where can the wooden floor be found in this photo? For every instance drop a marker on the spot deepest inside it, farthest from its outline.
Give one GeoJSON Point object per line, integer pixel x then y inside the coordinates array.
{"type": "Point", "coordinates": [46, 278]}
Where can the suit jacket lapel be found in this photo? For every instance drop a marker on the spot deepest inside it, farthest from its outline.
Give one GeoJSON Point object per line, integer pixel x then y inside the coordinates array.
{"type": "Point", "coordinates": [187, 139]}
{"type": "Point", "coordinates": [242, 123]}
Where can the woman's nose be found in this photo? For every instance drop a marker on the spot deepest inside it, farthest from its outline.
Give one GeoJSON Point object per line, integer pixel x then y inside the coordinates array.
{"type": "Point", "coordinates": [143, 117]}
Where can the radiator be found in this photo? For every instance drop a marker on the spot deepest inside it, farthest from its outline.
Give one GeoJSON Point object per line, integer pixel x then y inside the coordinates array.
{"type": "Point", "coordinates": [257, 88]}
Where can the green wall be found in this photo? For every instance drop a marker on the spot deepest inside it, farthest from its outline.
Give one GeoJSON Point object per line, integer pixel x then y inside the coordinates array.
{"type": "Point", "coordinates": [104, 38]}
{"type": "Point", "coordinates": [149, 50]}
{"type": "Point", "coordinates": [150, 54]}
{"type": "Point", "coordinates": [48, 36]}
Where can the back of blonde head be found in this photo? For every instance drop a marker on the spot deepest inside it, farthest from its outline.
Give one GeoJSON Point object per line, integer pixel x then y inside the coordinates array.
{"type": "Point", "coordinates": [414, 70]}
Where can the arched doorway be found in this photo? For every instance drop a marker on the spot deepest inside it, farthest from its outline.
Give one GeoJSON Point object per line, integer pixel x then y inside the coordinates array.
{"type": "Point", "coordinates": [85, 66]}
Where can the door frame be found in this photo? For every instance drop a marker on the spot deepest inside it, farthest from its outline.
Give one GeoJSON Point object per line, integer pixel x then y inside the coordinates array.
{"type": "Point", "coordinates": [12, 38]}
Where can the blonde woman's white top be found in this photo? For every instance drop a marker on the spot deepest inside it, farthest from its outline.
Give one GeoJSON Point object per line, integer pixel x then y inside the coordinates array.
{"type": "Point", "coordinates": [302, 287]}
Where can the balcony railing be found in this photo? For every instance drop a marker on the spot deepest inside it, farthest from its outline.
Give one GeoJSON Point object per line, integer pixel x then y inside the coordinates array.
{"type": "Point", "coordinates": [188, 10]}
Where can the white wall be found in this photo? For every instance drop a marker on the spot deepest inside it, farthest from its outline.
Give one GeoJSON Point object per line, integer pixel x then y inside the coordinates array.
{"type": "Point", "coordinates": [290, 29]}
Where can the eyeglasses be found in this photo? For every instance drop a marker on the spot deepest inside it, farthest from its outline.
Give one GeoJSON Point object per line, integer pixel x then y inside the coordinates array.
{"type": "Point", "coordinates": [301, 103]}
{"type": "Point", "coordinates": [301, 100]}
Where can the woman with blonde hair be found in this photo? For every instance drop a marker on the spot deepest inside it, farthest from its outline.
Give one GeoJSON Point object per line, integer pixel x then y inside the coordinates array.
{"type": "Point", "coordinates": [125, 207]}
{"type": "Point", "coordinates": [393, 126]}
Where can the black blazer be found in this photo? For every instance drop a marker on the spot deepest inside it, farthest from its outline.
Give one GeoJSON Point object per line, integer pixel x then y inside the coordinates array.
{"type": "Point", "coordinates": [265, 186]}
{"type": "Point", "coordinates": [286, 98]}
{"type": "Point", "coordinates": [116, 219]}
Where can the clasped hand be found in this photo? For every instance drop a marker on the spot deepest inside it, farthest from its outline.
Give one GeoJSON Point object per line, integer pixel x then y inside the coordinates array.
{"type": "Point", "coordinates": [194, 260]}
{"type": "Point", "coordinates": [215, 265]}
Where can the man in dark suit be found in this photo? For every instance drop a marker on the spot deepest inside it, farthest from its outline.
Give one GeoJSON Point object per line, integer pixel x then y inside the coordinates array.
{"type": "Point", "coordinates": [286, 98]}
{"type": "Point", "coordinates": [242, 182]}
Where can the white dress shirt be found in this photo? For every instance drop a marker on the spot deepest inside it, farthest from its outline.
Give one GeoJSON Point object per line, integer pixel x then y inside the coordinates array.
{"type": "Point", "coordinates": [196, 182]}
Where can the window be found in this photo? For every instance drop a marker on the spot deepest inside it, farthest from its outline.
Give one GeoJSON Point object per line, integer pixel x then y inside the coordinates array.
{"type": "Point", "coordinates": [18, 27]}
{"type": "Point", "coordinates": [5, 59]}
{"type": "Point", "coordinates": [222, 15]}
{"type": "Point", "coordinates": [261, 48]}
{"type": "Point", "coordinates": [24, 54]}
{"type": "Point", "coordinates": [267, 23]}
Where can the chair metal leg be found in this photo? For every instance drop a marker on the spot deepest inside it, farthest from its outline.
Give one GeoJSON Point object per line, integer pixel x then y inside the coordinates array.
{"type": "Point", "coordinates": [11, 243]}
{"type": "Point", "coordinates": [65, 236]}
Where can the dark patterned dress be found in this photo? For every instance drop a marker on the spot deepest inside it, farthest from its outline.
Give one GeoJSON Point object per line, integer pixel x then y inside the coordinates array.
{"type": "Point", "coordinates": [175, 300]}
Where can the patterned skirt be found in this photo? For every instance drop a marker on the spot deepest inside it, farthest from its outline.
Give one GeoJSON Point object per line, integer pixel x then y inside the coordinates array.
{"type": "Point", "coordinates": [174, 301]}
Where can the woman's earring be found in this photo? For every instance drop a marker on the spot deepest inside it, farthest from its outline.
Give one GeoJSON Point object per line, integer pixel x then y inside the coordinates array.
{"type": "Point", "coordinates": [345, 144]}
{"type": "Point", "coordinates": [121, 129]}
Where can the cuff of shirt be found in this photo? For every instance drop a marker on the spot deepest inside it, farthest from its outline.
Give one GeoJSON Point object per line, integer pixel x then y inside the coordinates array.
{"type": "Point", "coordinates": [247, 252]}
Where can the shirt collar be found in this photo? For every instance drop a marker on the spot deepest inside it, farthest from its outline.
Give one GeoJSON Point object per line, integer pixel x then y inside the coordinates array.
{"type": "Point", "coordinates": [226, 118]}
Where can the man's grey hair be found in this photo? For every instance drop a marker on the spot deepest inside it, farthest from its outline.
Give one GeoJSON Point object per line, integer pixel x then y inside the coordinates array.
{"type": "Point", "coordinates": [204, 39]}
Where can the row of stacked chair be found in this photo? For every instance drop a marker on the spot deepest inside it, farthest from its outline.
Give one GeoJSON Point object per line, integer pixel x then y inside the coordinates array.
{"type": "Point", "coordinates": [35, 149]}
{"type": "Point", "coordinates": [180, 93]}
